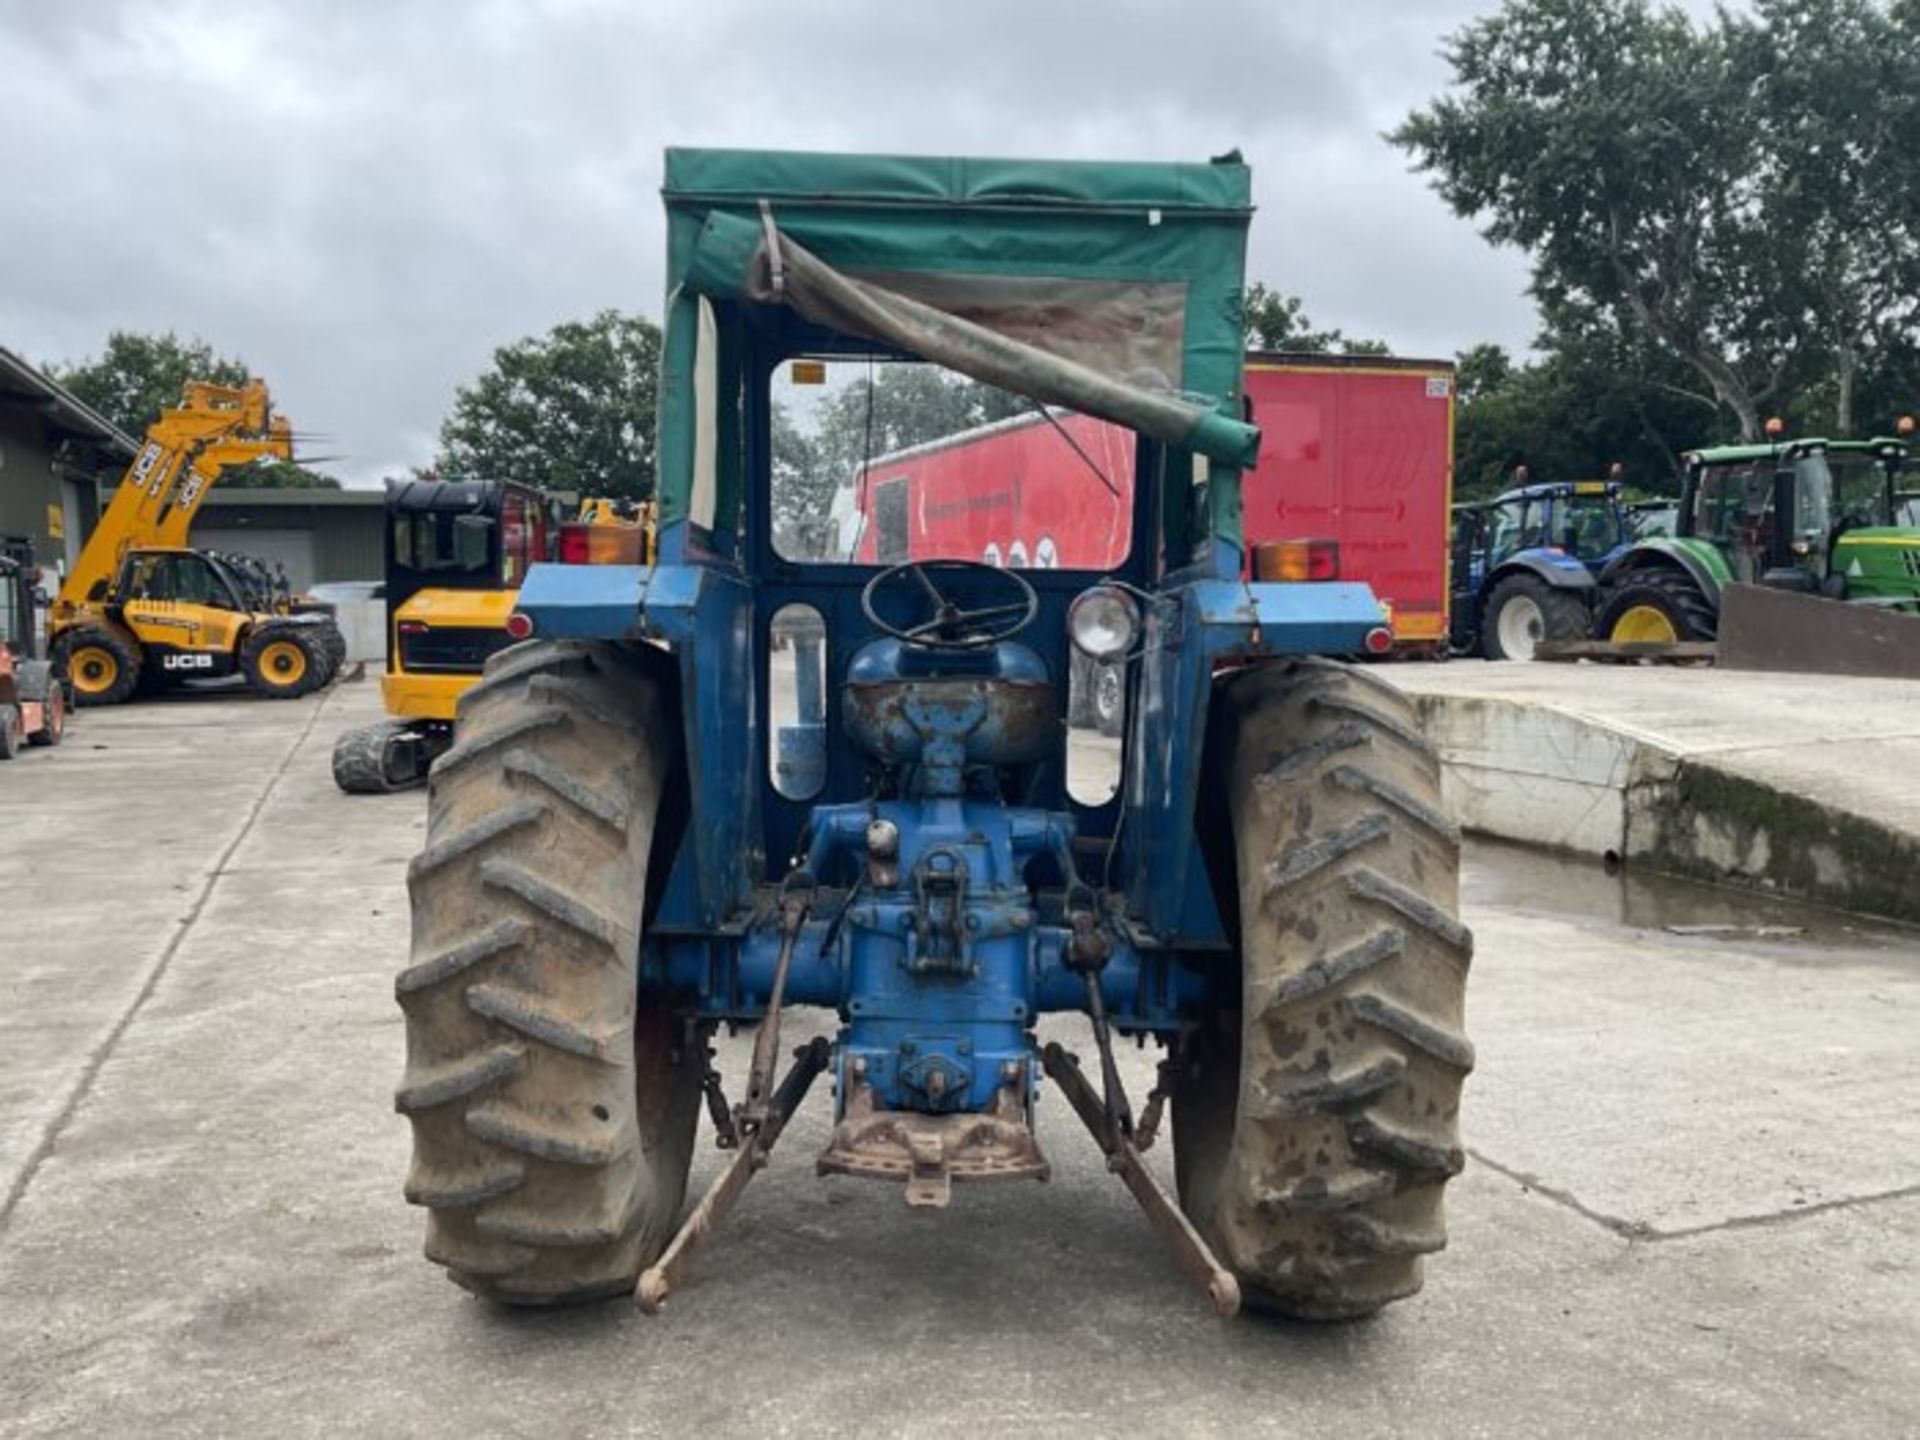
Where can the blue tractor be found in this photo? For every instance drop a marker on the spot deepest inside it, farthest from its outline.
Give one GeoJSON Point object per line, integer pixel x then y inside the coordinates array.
{"type": "Point", "coordinates": [1526, 565]}
{"type": "Point", "coordinates": [650, 828]}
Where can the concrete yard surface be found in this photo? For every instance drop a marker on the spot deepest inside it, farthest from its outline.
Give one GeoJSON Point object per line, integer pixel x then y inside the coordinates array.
{"type": "Point", "coordinates": [1692, 1207]}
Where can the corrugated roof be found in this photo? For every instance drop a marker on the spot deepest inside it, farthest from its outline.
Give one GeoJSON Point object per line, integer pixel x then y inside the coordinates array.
{"type": "Point", "coordinates": [19, 380]}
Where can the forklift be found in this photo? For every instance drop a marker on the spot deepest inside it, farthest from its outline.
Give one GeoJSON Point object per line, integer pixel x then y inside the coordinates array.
{"type": "Point", "coordinates": [33, 700]}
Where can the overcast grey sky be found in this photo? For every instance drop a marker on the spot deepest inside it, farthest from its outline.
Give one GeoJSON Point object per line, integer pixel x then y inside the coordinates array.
{"type": "Point", "coordinates": [363, 199]}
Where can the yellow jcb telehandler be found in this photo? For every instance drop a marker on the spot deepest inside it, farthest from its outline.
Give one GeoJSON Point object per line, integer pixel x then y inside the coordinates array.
{"type": "Point", "coordinates": [142, 610]}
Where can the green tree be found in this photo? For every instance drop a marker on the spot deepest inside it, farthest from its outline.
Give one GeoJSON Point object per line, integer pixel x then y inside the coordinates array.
{"type": "Point", "coordinates": [1704, 192]}
{"type": "Point", "coordinates": [137, 376]}
{"type": "Point", "coordinates": [1279, 322]}
{"type": "Point", "coordinates": [1835, 90]}
{"type": "Point", "coordinates": [569, 410]}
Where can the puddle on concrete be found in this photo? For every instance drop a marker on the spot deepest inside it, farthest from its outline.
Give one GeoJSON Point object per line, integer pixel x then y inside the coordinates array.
{"type": "Point", "coordinates": [1514, 877]}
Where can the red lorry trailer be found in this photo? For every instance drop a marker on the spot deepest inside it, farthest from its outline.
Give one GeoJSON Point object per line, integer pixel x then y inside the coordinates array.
{"type": "Point", "coordinates": [1357, 450]}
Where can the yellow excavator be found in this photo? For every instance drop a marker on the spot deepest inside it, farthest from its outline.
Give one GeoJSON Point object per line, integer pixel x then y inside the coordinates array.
{"type": "Point", "coordinates": [457, 551]}
{"type": "Point", "coordinates": [142, 610]}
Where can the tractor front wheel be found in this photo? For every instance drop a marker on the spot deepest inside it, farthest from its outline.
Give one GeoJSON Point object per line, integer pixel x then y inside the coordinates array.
{"type": "Point", "coordinates": [553, 1104]}
{"type": "Point", "coordinates": [1657, 607]}
{"type": "Point", "coordinates": [1316, 1121]}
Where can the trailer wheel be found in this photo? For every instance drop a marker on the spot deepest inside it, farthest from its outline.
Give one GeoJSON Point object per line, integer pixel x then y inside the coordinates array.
{"type": "Point", "coordinates": [282, 663]}
{"type": "Point", "coordinates": [553, 1106]}
{"type": "Point", "coordinates": [101, 664]}
{"type": "Point", "coordinates": [1316, 1122]}
{"type": "Point", "coordinates": [1657, 606]}
{"type": "Point", "coordinates": [1524, 612]}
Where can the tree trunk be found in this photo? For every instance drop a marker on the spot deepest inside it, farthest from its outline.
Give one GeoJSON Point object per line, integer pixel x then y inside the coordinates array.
{"type": "Point", "coordinates": [1846, 367]}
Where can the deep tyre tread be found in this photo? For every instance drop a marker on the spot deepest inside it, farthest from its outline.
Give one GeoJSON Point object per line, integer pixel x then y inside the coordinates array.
{"type": "Point", "coordinates": [1693, 615]}
{"type": "Point", "coordinates": [262, 682]}
{"type": "Point", "coordinates": [362, 760]}
{"type": "Point", "coordinates": [1563, 613]}
{"type": "Point", "coordinates": [1314, 1130]}
{"type": "Point", "coordinates": [126, 654]}
{"type": "Point", "coordinates": [552, 1109]}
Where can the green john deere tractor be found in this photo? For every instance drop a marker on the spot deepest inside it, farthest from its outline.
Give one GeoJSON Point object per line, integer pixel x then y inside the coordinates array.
{"type": "Point", "coordinates": [1822, 517]}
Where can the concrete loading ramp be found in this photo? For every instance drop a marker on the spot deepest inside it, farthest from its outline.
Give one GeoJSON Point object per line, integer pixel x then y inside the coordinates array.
{"type": "Point", "coordinates": [1801, 785]}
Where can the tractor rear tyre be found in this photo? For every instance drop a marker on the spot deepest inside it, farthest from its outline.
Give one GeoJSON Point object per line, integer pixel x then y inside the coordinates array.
{"type": "Point", "coordinates": [13, 732]}
{"type": "Point", "coordinates": [101, 664]}
{"type": "Point", "coordinates": [553, 1106]}
{"type": "Point", "coordinates": [1659, 606]}
{"type": "Point", "coordinates": [1316, 1126]}
{"type": "Point", "coordinates": [1524, 612]}
{"type": "Point", "coordinates": [282, 662]}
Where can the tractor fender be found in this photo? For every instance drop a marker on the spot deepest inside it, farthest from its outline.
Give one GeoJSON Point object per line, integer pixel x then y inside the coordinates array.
{"type": "Point", "coordinates": [1552, 567]}
{"type": "Point", "coordinates": [1699, 561]}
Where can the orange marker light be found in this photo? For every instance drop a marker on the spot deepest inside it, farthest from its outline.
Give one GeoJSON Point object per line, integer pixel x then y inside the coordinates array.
{"type": "Point", "coordinates": [1297, 560]}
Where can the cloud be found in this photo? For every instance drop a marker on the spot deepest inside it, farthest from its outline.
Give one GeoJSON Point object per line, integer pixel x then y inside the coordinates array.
{"type": "Point", "coordinates": [364, 199]}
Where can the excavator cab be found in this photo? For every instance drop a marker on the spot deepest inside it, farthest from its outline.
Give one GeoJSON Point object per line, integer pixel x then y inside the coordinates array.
{"type": "Point", "coordinates": [457, 551]}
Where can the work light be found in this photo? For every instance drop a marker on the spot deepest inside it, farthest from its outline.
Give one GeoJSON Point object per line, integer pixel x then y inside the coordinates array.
{"type": "Point", "coordinates": [1103, 623]}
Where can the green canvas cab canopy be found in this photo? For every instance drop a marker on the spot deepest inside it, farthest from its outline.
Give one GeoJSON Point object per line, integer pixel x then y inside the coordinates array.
{"type": "Point", "coordinates": [1111, 289]}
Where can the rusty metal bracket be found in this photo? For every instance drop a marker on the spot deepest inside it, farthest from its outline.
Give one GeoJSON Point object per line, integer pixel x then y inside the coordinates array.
{"type": "Point", "coordinates": [796, 899]}
{"type": "Point", "coordinates": [669, 1272]}
{"type": "Point", "coordinates": [1196, 1257]}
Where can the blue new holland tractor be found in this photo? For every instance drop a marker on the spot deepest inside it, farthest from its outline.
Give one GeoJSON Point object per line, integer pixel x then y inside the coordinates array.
{"type": "Point", "coordinates": [650, 828]}
{"type": "Point", "coordinates": [1526, 565]}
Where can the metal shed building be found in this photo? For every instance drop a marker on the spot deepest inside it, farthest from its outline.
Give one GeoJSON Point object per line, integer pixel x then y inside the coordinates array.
{"type": "Point", "coordinates": [318, 535]}
{"type": "Point", "coordinates": [54, 453]}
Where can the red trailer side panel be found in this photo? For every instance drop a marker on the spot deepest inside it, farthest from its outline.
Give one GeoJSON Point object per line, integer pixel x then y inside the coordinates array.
{"type": "Point", "coordinates": [1016, 493]}
{"type": "Point", "coordinates": [1361, 453]}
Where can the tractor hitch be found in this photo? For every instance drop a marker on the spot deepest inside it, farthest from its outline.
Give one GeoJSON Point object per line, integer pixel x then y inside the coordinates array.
{"type": "Point", "coordinates": [669, 1272]}
{"type": "Point", "coordinates": [1196, 1257]}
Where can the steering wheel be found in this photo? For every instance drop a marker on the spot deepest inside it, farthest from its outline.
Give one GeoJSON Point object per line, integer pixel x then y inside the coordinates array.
{"type": "Point", "coordinates": [951, 626]}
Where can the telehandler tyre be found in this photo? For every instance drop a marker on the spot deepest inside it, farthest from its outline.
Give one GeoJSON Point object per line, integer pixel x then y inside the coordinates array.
{"type": "Point", "coordinates": [1315, 1129]}
{"type": "Point", "coordinates": [101, 664]}
{"type": "Point", "coordinates": [553, 1107]}
{"type": "Point", "coordinates": [282, 662]}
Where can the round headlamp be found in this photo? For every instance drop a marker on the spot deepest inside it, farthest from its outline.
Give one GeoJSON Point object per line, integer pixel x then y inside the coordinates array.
{"type": "Point", "coordinates": [1103, 623]}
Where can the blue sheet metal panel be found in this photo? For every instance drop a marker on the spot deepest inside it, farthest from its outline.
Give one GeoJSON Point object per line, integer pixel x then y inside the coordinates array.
{"type": "Point", "coordinates": [704, 616]}
{"type": "Point", "coordinates": [1192, 629]}
{"type": "Point", "coordinates": [584, 602]}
